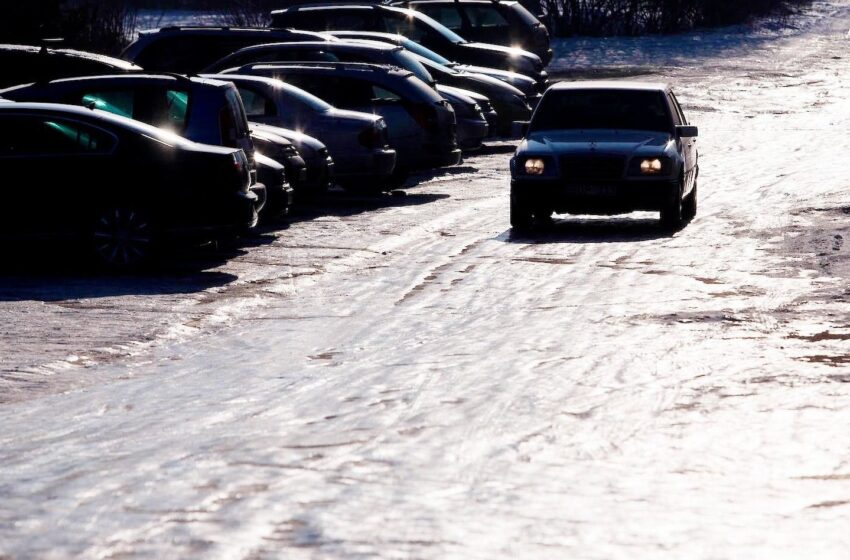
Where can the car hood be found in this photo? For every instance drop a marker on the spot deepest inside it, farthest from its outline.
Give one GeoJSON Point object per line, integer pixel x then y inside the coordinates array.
{"type": "Point", "coordinates": [488, 85]}
{"type": "Point", "coordinates": [515, 79]}
{"type": "Point", "coordinates": [624, 142]}
{"type": "Point", "coordinates": [500, 51]}
{"type": "Point", "coordinates": [463, 95]}
{"type": "Point", "coordinates": [299, 139]}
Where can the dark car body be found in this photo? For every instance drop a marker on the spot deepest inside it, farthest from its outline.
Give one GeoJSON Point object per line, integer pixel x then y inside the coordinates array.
{"type": "Point", "coordinates": [23, 64]}
{"type": "Point", "coordinates": [527, 85]}
{"type": "Point", "coordinates": [504, 22]}
{"type": "Point", "coordinates": [115, 184]}
{"type": "Point", "coordinates": [317, 158]}
{"type": "Point", "coordinates": [606, 148]}
{"type": "Point", "coordinates": [414, 25]}
{"type": "Point", "coordinates": [191, 49]}
{"type": "Point", "coordinates": [421, 125]}
{"type": "Point", "coordinates": [283, 152]}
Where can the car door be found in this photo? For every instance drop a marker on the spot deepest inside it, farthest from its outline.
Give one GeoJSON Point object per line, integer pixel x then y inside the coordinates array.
{"type": "Point", "coordinates": [63, 163]}
{"type": "Point", "coordinates": [260, 107]}
{"type": "Point", "coordinates": [688, 143]}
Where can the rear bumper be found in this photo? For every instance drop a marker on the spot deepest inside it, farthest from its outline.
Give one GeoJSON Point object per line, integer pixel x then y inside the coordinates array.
{"type": "Point", "coordinates": [377, 163]}
{"type": "Point", "coordinates": [605, 198]}
{"type": "Point", "coordinates": [231, 215]}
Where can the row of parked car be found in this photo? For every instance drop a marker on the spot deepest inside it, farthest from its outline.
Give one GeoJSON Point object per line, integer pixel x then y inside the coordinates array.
{"type": "Point", "coordinates": [198, 133]}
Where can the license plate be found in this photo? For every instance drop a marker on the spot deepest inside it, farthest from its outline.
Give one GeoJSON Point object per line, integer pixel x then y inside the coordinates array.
{"type": "Point", "coordinates": [594, 190]}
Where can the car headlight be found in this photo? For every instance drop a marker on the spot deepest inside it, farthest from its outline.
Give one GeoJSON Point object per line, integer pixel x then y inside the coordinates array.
{"type": "Point", "coordinates": [534, 166]}
{"type": "Point", "coordinates": [650, 166]}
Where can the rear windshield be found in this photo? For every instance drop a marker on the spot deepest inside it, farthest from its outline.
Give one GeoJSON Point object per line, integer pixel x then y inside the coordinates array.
{"type": "Point", "coordinates": [602, 109]}
{"type": "Point", "coordinates": [306, 98]}
{"type": "Point", "coordinates": [416, 48]}
{"type": "Point", "coordinates": [409, 62]}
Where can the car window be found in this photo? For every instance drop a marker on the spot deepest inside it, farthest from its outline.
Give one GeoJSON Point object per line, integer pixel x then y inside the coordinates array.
{"type": "Point", "coordinates": [484, 17]}
{"type": "Point", "coordinates": [119, 102]}
{"type": "Point", "coordinates": [176, 109]}
{"type": "Point", "coordinates": [256, 104]}
{"type": "Point", "coordinates": [678, 109]}
{"type": "Point", "coordinates": [677, 117]}
{"type": "Point", "coordinates": [447, 15]}
{"type": "Point", "coordinates": [602, 109]}
{"type": "Point", "coordinates": [410, 62]}
{"type": "Point", "coordinates": [51, 136]}
{"type": "Point", "coordinates": [382, 94]}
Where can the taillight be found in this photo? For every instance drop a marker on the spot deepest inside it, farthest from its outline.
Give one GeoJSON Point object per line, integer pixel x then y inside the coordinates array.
{"type": "Point", "coordinates": [370, 138]}
{"type": "Point", "coordinates": [425, 116]}
{"type": "Point", "coordinates": [243, 169]}
{"type": "Point", "coordinates": [227, 125]}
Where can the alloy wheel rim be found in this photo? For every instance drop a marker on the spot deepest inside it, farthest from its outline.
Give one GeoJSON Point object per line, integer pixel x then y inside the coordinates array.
{"type": "Point", "coordinates": [122, 237]}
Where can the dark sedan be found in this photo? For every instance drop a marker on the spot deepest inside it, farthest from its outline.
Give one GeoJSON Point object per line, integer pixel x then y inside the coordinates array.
{"type": "Point", "coordinates": [120, 187]}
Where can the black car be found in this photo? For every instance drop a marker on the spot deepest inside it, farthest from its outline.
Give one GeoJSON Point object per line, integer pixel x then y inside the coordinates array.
{"type": "Point", "coordinates": [606, 148]}
{"type": "Point", "coordinates": [191, 49]}
{"type": "Point", "coordinates": [23, 64]}
{"type": "Point", "coordinates": [504, 22]}
{"type": "Point", "coordinates": [121, 187]}
{"type": "Point", "coordinates": [413, 25]}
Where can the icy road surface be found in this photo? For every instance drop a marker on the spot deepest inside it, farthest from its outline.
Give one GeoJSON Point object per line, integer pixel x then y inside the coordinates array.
{"type": "Point", "coordinates": [403, 378]}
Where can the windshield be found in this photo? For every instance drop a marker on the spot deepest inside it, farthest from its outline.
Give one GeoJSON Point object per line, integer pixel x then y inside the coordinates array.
{"type": "Point", "coordinates": [602, 109]}
{"type": "Point", "coordinates": [424, 52]}
{"type": "Point", "coordinates": [409, 62]}
{"type": "Point", "coordinates": [308, 99]}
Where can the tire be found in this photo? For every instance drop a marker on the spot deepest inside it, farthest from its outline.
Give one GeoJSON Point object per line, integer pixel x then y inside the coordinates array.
{"type": "Point", "coordinates": [691, 201]}
{"type": "Point", "coordinates": [672, 213]}
{"type": "Point", "coordinates": [522, 217]}
{"type": "Point", "coordinates": [123, 238]}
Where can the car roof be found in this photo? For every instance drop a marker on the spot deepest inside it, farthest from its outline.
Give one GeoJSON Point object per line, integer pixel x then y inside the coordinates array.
{"type": "Point", "coordinates": [71, 53]}
{"type": "Point", "coordinates": [610, 84]}
{"type": "Point", "coordinates": [326, 44]}
{"type": "Point", "coordinates": [325, 67]}
{"type": "Point", "coordinates": [211, 30]}
{"type": "Point", "coordinates": [484, 2]}
{"type": "Point", "coordinates": [158, 78]}
{"type": "Point", "coordinates": [74, 111]}
{"type": "Point", "coordinates": [318, 6]}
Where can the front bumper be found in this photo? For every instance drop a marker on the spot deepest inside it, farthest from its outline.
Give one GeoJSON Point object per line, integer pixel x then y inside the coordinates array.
{"type": "Point", "coordinates": [471, 133]}
{"type": "Point", "coordinates": [618, 197]}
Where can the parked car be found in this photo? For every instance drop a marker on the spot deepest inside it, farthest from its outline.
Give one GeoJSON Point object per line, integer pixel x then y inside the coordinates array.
{"type": "Point", "coordinates": [120, 187]}
{"type": "Point", "coordinates": [326, 51]}
{"type": "Point", "coordinates": [606, 148]}
{"type": "Point", "coordinates": [510, 104]}
{"type": "Point", "coordinates": [191, 49]}
{"type": "Point", "coordinates": [527, 85]}
{"type": "Point", "coordinates": [278, 191]}
{"type": "Point", "coordinates": [319, 163]}
{"type": "Point", "coordinates": [283, 152]}
{"type": "Point", "coordinates": [357, 141]}
{"type": "Point", "coordinates": [504, 22]}
{"type": "Point", "coordinates": [23, 64]}
{"type": "Point", "coordinates": [421, 125]}
{"type": "Point", "coordinates": [200, 110]}
{"type": "Point", "coordinates": [472, 124]}
{"type": "Point", "coordinates": [469, 134]}
{"type": "Point", "coordinates": [414, 25]}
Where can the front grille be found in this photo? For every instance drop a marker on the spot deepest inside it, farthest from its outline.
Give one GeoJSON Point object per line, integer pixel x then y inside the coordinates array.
{"type": "Point", "coordinates": [592, 169]}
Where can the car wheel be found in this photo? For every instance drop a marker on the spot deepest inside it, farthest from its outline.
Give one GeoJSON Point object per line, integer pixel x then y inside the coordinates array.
{"type": "Point", "coordinates": [691, 204]}
{"type": "Point", "coordinates": [123, 238]}
{"type": "Point", "coordinates": [522, 218]}
{"type": "Point", "coordinates": [672, 213]}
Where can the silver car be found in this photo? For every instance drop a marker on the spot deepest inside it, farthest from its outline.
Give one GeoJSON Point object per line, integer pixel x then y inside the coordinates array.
{"type": "Point", "coordinates": [358, 142]}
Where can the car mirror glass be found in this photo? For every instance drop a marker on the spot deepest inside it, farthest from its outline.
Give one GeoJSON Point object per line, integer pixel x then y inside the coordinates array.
{"type": "Point", "coordinates": [687, 131]}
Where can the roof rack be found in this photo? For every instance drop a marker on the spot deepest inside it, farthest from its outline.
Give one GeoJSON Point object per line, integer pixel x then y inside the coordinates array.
{"type": "Point", "coordinates": [365, 66]}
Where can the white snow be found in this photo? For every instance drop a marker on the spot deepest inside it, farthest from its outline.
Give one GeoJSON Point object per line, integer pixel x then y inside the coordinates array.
{"type": "Point", "coordinates": [446, 390]}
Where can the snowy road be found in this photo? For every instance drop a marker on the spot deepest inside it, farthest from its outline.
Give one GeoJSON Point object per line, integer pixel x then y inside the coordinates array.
{"type": "Point", "coordinates": [403, 378]}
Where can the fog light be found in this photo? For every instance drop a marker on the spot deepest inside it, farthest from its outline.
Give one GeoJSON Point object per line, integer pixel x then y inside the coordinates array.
{"type": "Point", "coordinates": [534, 166]}
{"type": "Point", "coordinates": [651, 166]}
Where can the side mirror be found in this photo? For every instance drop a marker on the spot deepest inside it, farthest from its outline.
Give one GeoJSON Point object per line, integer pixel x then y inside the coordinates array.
{"type": "Point", "coordinates": [519, 129]}
{"type": "Point", "coordinates": [687, 131]}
